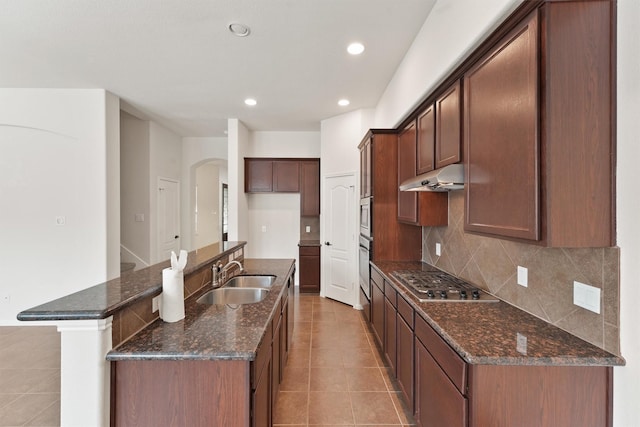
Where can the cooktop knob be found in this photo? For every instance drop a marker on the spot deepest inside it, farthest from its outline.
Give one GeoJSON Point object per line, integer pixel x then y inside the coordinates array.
{"type": "Point", "coordinates": [443, 294]}
{"type": "Point", "coordinates": [475, 294]}
{"type": "Point", "coordinates": [463, 294]}
{"type": "Point", "coordinates": [430, 294]}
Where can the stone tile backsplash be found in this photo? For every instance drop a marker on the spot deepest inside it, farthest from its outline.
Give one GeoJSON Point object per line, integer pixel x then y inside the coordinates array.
{"type": "Point", "coordinates": [491, 264]}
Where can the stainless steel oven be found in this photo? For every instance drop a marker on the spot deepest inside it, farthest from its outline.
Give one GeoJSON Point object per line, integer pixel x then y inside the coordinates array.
{"type": "Point", "coordinates": [363, 258]}
{"type": "Point", "coordinates": [365, 218]}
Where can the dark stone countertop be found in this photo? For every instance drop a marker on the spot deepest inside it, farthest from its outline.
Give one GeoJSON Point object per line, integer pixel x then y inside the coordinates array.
{"type": "Point", "coordinates": [102, 300]}
{"type": "Point", "coordinates": [309, 243]}
{"type": "Point", "coordinates": [485, 333]}
{"type": "Point", "coordinates": [212, 331]}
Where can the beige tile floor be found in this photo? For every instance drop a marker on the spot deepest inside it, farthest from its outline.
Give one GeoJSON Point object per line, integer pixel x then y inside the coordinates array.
{"type": "Point", "coordinates": [335, 375]}
{"type": "Point", "coordinates": [29, 376]}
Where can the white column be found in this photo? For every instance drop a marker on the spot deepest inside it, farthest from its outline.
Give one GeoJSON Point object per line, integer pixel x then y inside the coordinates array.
{"type": "Point", "coordinates": [85, 373]}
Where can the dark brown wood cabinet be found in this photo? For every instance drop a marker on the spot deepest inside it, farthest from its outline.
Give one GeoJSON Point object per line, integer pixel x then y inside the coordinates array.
{"type": "Point", "coordinates": [286, 176]}
{"type": "Point", "coordinates": [309, 257]}
{"type": "Point", "coordinates": [258, 175]}
{"type": "Point", "coordinates": [393, 240]}
{"type": "Point", "coordinates": [365, 167]}
{"type": "Point", "coordinates": [390, 335]}
{"type": "Point", "coordinates": [377, 307]}
{"type": "Point", "coordinates": [404, 346]}
{"type": "Point", "coordinates": [448, 125]}
{"type": "Point", "coordinates": [426, 140]}
{"type": "Point", "coordinates": [539, 129]}
{"type": "Point", "coordinates": [422, 208]}
{"type": "Point", "coordinates": [310, 188]}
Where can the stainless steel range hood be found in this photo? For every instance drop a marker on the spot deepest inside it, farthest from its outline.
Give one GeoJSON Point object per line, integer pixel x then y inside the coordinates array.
{"type": "Point", "coordinates": [445, 179]}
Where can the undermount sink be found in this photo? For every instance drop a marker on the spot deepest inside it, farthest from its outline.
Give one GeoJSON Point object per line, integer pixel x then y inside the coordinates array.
{"type": "Point", "coordinates": [233, 296]}
{"type": "Point", "coordinates": [248, 281]}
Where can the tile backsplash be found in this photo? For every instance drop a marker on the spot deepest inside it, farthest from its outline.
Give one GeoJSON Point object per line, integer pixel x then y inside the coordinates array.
{"type": "Point", "coordinates": [491, 264]}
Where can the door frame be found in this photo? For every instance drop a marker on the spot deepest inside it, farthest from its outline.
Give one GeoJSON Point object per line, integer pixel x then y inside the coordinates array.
{"type": "Point", "coordinates": [353, 227]}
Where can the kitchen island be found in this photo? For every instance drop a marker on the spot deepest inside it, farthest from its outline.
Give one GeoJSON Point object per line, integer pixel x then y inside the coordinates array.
{"type": "Point", "coordinates": [94, 320]}
{"type": "Point", "coordinates": [473, 364]}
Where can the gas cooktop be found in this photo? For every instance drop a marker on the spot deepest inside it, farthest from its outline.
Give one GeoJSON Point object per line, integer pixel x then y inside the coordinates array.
{"type": "Point", "coordinates": [440, 286]}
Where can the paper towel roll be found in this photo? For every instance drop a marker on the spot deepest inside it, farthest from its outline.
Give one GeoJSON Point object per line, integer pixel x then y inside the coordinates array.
{"type": "Point", "coordinates": [172, 301]}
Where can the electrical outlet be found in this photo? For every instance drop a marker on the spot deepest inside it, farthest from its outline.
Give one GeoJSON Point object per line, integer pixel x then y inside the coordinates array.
{"type": "Point", "coordinates": [523, 276]}
{"type": "Point", "coordinates": [307, 229]}
{"type": "Point", "coordinates": [586, 296]}
{"type": "Point", "coordinates": [438, 249]}
{"type": "Point", "coordinates": [139, 217]}
{"type": "Point", "coordinates": [155, 304]}
{"type": "Point", "coordinates": [264, 228]}
{"type": "Point", "coordinates": [521, 343]}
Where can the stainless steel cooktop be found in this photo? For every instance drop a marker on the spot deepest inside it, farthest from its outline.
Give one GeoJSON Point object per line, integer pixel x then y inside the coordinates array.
{"type": "Point", "coordinates": [440, 286]}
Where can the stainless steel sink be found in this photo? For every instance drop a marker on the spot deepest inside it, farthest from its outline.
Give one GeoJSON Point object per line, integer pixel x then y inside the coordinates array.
{"type": "Point", "coordinates": [250, 282]}
{"type": "Point", "coordinates": [233, 296]}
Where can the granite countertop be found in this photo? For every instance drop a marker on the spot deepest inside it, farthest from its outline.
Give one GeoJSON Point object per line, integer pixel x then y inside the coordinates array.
{"type": "Point", "coordinates": [309, 243]}
{"type": "Point", "coordinates": [102, 300]}
{"type": "Point", "coordinates": [212, 331]}
{"type": "Point", "coordinates": [485, 333]}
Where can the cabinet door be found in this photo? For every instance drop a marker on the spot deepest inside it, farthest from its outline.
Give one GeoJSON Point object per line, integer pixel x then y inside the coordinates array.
{"type": "Point", "coordinates": [286, 176]}
{"type": "Point", "coordinates": [309, 268]}
{"type": "Point", "coordinates": [448, 127]}
{"type": "Point", "coordinates": [377, 313]}
{"type": "Point", "coordinates": [426, 140]}
{"type": "Point", "coordinates": [405, 360]}
{"type": "Point", "coordinates": [407, 200]}
{"type": "Point", "coordinates": [438, 402]}
{"type": "Point", "coordinates": [258, 176]}
{"type": "Point", "coordinates": [501, 138]}
{"type": "Point", "coordinates": [390, 334]}
{"type": "Point", "coordinates": [261, 404]}
{"type": "Point", "coordinates": [310, 188]}
{"type": "Point", "coordinates": [275, 362]}
{"type": "Point", "coordinates": [365, 169]}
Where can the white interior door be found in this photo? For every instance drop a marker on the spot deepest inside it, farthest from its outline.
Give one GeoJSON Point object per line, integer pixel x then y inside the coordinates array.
{"type": "Point", "coordinates": [339, 270]}
{"type": "Point", "coordinates": [168, 218]}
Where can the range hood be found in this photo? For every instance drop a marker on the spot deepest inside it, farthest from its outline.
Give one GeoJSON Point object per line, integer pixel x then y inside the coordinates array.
{"type": "Point", "coordinates": [444, 179]}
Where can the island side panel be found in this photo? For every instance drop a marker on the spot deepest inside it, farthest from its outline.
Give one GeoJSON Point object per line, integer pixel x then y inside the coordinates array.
{"type": "Point", "coordinates": [180, 392]}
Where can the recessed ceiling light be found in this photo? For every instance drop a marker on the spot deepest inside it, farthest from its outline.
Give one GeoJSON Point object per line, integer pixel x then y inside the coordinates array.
{"type": "Point", "coordinates": [250, 101]}
{"type": "Point", "coordinates": [238, 29]}
{"type": "Point", "coordinates": [343, 102]}
{"type": "Point", "coordinates": [355, 48]}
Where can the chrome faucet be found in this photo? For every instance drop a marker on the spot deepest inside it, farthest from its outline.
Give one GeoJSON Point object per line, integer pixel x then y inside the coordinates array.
{"type": "Point", "coordinates": [215, 271]}
{"type": "Point", "coordinates": [224, 269]}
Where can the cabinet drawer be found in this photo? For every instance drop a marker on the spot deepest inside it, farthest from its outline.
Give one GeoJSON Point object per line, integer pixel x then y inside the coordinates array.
{"type": "Point", "coordinates": [447, 358]}
{"type": "Point", "coordinates": [405, 310]}
{"type": "Point", "coordinates": [263, 354]}
{"type": "Point", "coordinates": [309, 250]}
{"type": "Point", "coordinates": [376, 278]}
{"type": "Point", "coordinates": [390, 293]}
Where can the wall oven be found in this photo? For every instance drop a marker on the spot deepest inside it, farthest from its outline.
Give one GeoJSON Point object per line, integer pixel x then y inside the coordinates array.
{"type": "Point", "coordinates": [364, 257]}
{"type": "Point", "coordinates": [365, 218]}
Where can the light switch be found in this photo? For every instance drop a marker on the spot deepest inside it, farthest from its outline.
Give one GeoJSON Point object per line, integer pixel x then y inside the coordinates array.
{"type": "Point", "coordinates": [307, 229]}
{"type": "Point", "coordinates": [586, 296]}
{"type": "Point", "coordinates": [264, 228]}
{"type": "Point", "coordinates": [523, 276]}
{"type": "Point", "coordinates": [139, 217]}
{"type": "Point", "coordinates": [521, 343]}
{"type": "Point", "coordinates": [438, 249]}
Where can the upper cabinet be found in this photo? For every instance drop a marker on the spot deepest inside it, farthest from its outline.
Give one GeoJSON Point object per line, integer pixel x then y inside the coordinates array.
{"type": "Point", "coordinates": [269, 175]}
{"type": "Point", "coordinates": [539, 129]}
{"type": "Point", "coordinates": [448, 135]}
{"type": "Point", "coordinates": [424, 208]}
{"type": "Point", "coordinates": [365, 168]}
{"type": "Point", "coordinates": [439, 135]}
{"type": "Point", "coordinates": [310, 188]}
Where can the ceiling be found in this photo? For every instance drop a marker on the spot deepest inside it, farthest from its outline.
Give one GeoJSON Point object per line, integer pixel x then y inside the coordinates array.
{"type": "Point", "coordinates": [176, 62]}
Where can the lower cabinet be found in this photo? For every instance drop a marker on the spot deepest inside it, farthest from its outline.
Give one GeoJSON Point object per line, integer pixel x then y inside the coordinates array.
{"type": "Point", "coordinates": [390, 335]}
{"type": "Point", "coordinates": [309, 268]}
{"type": "Point", "coordinates": [404, 346]}
{"type": "Point", "coordinates": [377, 309]}
{"type": "Point", "coordinates": [261, 399]}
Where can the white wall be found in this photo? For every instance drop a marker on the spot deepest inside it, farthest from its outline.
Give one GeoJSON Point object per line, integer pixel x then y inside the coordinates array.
{"type": "Point", "coordinates": [112, 135]}
{"type": "Point", "coordinates": [165, 155]}
{"type": "Point", "coordinates": [238, 208]}
{"type": "Point", "coordinates": [196, 151]}
{"type": "Point", "coordinates": [57, 161]}
{"type": "Point", "coordinates": [134, 191]}
{"type": "Point", "coordinates": [208, 224]}
{"type": "Point", "coordinates": [284, 144]}
{"type": "Point", "coordinates": [626, 379]}
{"type": "Point", "coordinates": [452, 30]}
